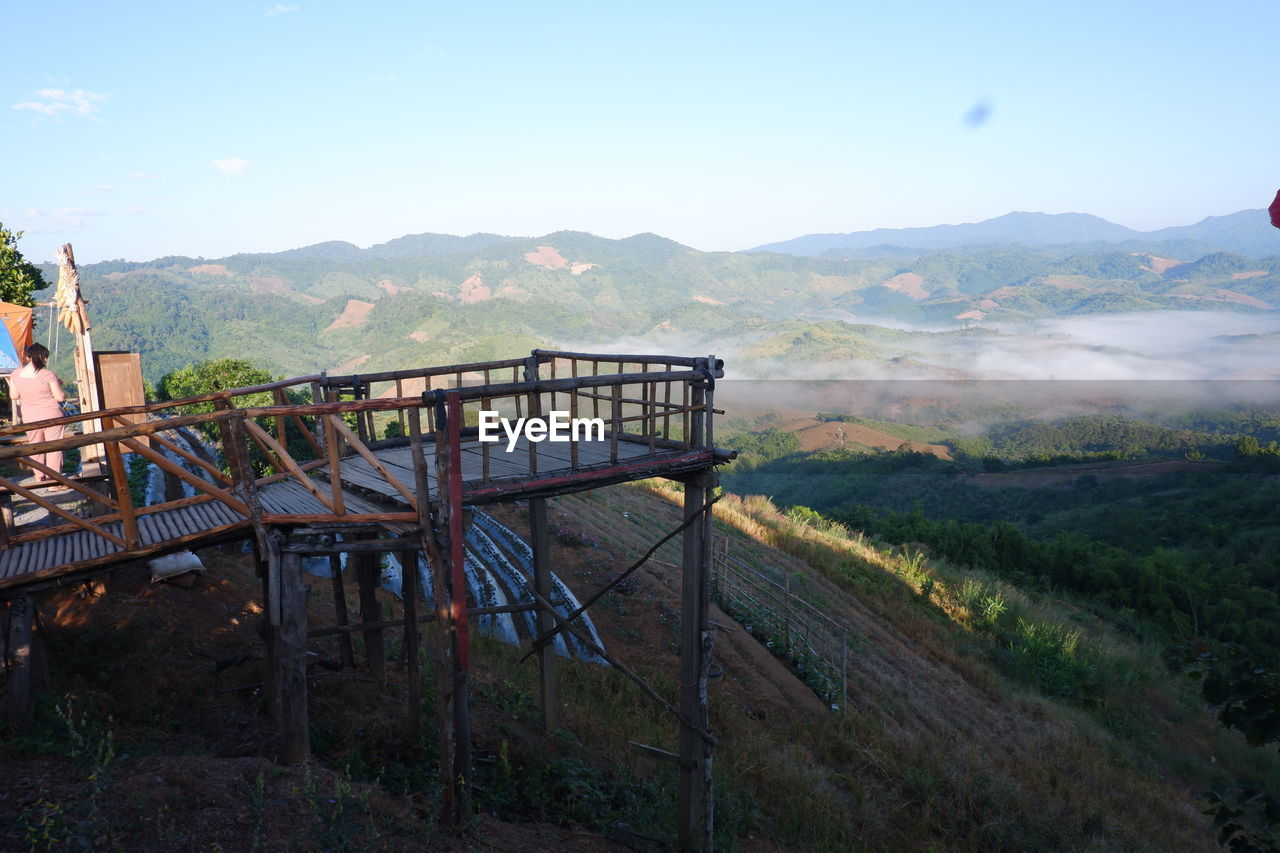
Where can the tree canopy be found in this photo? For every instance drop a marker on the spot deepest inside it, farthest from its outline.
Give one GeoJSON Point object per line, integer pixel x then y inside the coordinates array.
{"type": "Point", "coordinates": [217, 375]}
{"type": "Point", "coordinates": [18, 276]}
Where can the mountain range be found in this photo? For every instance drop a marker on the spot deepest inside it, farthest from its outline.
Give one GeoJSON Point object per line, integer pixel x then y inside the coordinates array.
{"type": "Point", "coordinates": [436, 298]}
{"type": "Point", "coordinates": [1247, 232]}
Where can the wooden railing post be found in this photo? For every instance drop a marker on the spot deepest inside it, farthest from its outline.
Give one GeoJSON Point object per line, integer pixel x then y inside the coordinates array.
{"type": "Point", "coordinates": [360, 392]}
{"type": "Point", "coordinates": [535, 406]}
{"type": "Point", "coordinates": [123, 494]}
{"type": "Point", "coordinates": [694, 794]}
{"type": "Point", "coordinates": [281, 399]}
{"type": "Point", "coordinates": [698, 425]}
{"type": "Point", "coordinates": [449, 587]}
{"type": "Point", "coordinates": [615, 418]}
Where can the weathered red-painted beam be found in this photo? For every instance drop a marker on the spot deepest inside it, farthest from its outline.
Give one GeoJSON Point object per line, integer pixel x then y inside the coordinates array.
{"type": "Point", "coordinates": [629, 470]}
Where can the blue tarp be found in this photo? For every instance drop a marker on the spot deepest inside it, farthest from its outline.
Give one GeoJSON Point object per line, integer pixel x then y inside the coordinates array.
{"type": "Point", "coordinates": [8, 353]}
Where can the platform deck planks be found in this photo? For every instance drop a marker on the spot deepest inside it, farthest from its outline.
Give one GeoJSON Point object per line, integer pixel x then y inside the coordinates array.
{"type": "Point", "coordinates": [365, 491]}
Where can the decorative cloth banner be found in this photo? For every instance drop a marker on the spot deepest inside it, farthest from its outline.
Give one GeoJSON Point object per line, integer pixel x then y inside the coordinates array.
{"type": "Point", "coordinates": [17, 325]}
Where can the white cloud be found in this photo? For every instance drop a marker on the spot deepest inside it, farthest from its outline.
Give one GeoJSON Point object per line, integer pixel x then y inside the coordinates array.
{"type": "Point", "coordinates": [102, 188]}
{"type": "Point", "coordinates": [280, 9]}
{"type": "Point", "coordinates": [144, 176]}
{"type": "Point", "coordinates": [52, 220]}
{"type": "Point", "coordinates": [231, 166]}
{"type": "Point", "coordinates": [55, 103]}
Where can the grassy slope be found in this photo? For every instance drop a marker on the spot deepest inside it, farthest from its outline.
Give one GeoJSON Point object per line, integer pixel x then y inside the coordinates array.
{"type": "Point", "coordinates": [959, 680]}
{"type": "Point", "coordinates": [945, 744]}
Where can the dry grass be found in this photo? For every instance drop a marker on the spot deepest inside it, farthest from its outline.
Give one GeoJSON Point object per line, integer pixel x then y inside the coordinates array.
{"type": "Point", "coordinates": [947, 743]}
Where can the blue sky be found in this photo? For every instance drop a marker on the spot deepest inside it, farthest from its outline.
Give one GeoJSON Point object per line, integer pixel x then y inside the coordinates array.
{"type": "Point", "coordinates": [138, 130]}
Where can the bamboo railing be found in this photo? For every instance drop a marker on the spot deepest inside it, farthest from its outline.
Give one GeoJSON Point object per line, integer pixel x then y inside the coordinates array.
{"type": "Point", "coordinates": [316, 425]}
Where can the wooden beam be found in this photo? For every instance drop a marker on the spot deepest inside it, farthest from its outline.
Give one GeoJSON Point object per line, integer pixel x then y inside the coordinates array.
{"type": "Point", "coordinates": [409, 594]}
{"type": "Point", "coordinates": [376, 463]}
{"type": "Point", "coordinates": [539, 539]}
{"type": "Point", "coordinates": [54, 509]}
{"type": "Point", "coordinates": [448, 586]}
{"type": "Point", "coordinates": [270, 445]}
{"type": "Point", "coordinates": [22, 612]}
{"type": "Point", "coordinates": [294, 725]}
{"type": "Point", "coordinates": [198, 483]}
{"type": "Point", "coordinates": [345, 653]}
{"type": "Point", "coordinates": [426, 617]}
{"type": "Point", "coordinates": [120, 482]}
{"type": "Point", "coordinates": [695, 751]}
{"type": "Point", "coordinates": [369, 575]}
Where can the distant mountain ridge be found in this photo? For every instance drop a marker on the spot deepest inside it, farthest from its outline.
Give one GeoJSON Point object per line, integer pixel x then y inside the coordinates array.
{"type": "Point", "coordinates": [409, 246]}
{"type": "Point", "coordinates": [1247, 232]}
{"type": "Point", "coordinates": [432, 298]}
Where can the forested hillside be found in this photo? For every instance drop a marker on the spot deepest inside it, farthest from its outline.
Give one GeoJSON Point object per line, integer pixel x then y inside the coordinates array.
{"type": "Point", "coordinates": [437, 298]}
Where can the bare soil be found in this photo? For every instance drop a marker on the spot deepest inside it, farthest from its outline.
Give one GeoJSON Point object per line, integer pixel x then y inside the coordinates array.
{"type": "Point", "coordinates": [822, 435]}
{"type": "Point", "coordinates": [353, 316]}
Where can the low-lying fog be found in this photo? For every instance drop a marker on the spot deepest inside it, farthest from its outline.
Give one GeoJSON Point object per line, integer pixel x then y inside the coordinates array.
{"type": "Point", "coordinates": [1142, 363]}
{"type": "Point", "coordinates": [1150, 345]}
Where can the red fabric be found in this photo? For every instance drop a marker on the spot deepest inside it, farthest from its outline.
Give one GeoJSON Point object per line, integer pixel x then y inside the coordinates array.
{"type": "Point", "coordinates": [1275, 210]}
{"type": "Point", "coordinates": [17, 320]}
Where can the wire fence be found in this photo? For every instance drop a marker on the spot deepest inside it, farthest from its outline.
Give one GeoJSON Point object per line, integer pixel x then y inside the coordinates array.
{"type": "Point", "coordinates": [811, 642]}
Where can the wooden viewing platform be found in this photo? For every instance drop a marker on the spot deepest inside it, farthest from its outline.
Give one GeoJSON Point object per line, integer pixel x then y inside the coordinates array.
{"type": "Point", "coordinates": [297, 467]}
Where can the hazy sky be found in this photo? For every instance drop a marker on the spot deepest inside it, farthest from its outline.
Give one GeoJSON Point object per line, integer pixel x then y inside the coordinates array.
{"type": "Point", "coordinates": [206, 128]}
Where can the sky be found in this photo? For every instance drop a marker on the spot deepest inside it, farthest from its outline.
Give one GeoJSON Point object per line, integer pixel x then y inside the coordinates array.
{"type": "Point", "coordinates": [137, 130]}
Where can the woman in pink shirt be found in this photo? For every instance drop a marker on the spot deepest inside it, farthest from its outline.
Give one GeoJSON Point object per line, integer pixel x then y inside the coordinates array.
{"type": "Point", "coordinates": [37, 395]}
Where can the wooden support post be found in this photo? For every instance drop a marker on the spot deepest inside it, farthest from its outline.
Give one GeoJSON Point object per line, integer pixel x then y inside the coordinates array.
{"type": "Point", "coordinates": [844, 667]}
{"type": "Point", "coordinates": [695, 753]}
{"type": "Point", "coordinates": [434, 545]}
{"type": "Point", "coordinates": [294, 726]}
{"type": "Point", "coordinates": [539, 539]}
{"type": "Point", "coordinates": [6, 517]}
{"type": "Point", "coordinates": [449, 586]}
{"type": "Point", "coordinates": [369, 574]}
{"type": "Point", "coordinates": [345, 653]}
{"type": "Point", "coordinates": [271, 637]}
{"type": "Point", "coordinates": [409, 593]}
{"type": "Point", "coordinates": [22, 612]}
{"type": "Point", "coordinates": [120, 486]}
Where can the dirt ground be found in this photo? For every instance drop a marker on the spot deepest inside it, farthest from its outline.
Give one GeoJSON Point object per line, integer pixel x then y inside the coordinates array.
{"type": "Point", "coordinates": [153, 735]}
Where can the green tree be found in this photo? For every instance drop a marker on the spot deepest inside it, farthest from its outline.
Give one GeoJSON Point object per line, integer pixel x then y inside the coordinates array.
{"type": "Point", "coordinates": [1247, 696]}
{"type": "Point", "coordinates": [18, 276]}
{"type": "Point", "coordinates": [220, 374]}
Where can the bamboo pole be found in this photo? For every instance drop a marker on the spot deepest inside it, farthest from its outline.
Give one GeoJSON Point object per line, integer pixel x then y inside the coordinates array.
{"type": "Point", "coordinates": [333, 455]}
{"type": "Point", "coordinates": [692, 797]}
{"type": "Point", "coordinates": [345, 652]}
{"type": "Point", "coordinates": [294, 727]}
{"type": "Point", "coordinates": [19, 662]}
{"type": "Point", "coordinates": [539, 539]}
{"type": "Point", "coordinates": [375, 463]}
{"type": "Point", "coordinates": [413, 672]}
{"type": "Point", "coordinates": [451, 603]}
{"type": "Point", "coordinates": [368, 574]}
{"type": "Point", "coordinates": [120, 483]}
